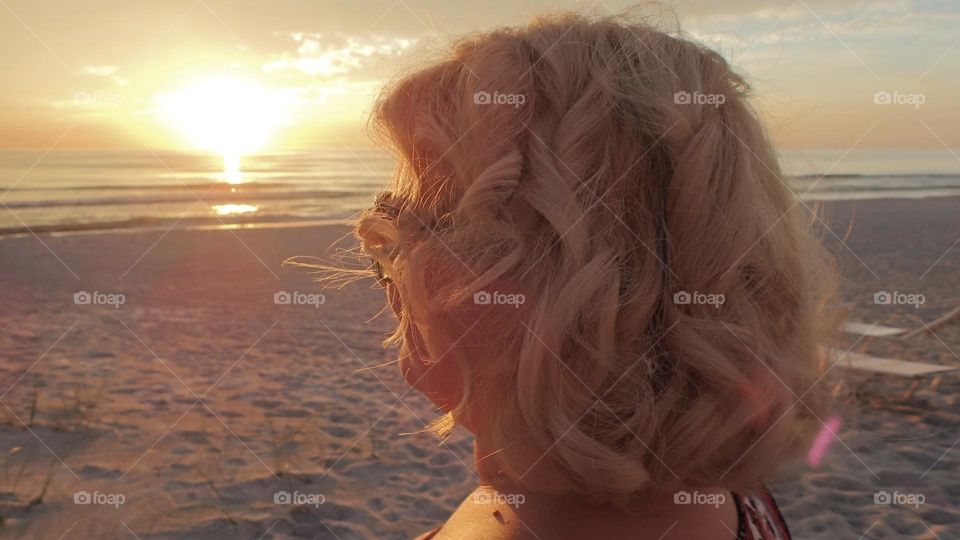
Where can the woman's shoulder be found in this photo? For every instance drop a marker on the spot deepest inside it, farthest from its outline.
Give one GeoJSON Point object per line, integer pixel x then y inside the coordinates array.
{"type": "Point", "coordinates": [488, 514]}
{"type": "Point", "coordinates": [485, 513]}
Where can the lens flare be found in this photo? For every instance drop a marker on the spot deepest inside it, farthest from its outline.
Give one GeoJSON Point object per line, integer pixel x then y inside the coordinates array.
{"type": "Point", "coordinates": [823, 441]}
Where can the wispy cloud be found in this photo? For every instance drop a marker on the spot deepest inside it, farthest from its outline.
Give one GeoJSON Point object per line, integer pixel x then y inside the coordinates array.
{"type": "Point", "coordinates": [331, 55]}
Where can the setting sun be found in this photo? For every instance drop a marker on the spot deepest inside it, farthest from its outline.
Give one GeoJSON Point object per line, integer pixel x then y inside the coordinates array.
{"type": "Point", "coordinates": [229, 116]}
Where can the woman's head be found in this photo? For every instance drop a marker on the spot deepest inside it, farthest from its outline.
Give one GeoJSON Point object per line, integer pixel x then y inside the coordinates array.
{"type": "Point", "coordinates": [596, 265]}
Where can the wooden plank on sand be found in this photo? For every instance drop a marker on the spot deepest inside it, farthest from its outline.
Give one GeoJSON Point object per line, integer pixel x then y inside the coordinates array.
{"type": "Point", "coordinates": [889, 366]}
{"type": "Point", "coordinates": [875, 330]}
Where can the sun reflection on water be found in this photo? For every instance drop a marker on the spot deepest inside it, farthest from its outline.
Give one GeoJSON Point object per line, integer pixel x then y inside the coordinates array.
{"type": "Point", "coordinates": [231, 169]}
{"type": "Point", "coordinates": [234, 209]}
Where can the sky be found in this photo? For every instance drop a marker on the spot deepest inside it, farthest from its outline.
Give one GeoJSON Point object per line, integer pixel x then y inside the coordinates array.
{"type": "Point", "coordinates": [123, 74]}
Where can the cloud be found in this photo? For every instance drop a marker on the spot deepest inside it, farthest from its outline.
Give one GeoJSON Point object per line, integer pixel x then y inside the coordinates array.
{"type": "Point", "coordinates": [331, 55]}
{"type": "Point", "coordinates": [889, 29]}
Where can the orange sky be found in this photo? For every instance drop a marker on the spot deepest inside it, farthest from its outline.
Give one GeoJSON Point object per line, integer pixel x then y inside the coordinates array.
{"type": "Point", "coordinates": [97, 73]}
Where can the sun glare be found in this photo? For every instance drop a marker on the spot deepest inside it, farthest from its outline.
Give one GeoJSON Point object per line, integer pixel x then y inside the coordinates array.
{"type": "Point", "coordinates": [229, 116]}
{"type": "Point", "coordinates": [234, 209]}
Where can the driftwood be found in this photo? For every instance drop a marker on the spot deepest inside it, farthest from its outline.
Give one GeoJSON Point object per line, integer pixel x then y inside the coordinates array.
{"type": "Point", "coordinates": [953, 314]}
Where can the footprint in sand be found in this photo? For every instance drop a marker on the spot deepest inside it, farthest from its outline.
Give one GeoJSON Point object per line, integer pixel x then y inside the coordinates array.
{"type": "Point", "coordinates": [340, 431]}
{"type": "Point", "coordinates": [96, 472]}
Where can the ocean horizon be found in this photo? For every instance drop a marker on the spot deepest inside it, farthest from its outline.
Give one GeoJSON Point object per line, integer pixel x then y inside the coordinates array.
{"type": "Point", "coordinates": [64, 191]}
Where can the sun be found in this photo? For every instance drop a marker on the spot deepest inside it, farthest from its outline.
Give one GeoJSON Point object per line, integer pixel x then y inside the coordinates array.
{"type": "Point", "coordinates": [226, 115]}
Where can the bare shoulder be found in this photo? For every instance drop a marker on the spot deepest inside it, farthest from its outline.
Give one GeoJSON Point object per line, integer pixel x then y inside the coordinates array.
{"type": "Point", "coordinates": [490, 514]}
{"type": "Point", "coordinates": [487, 513]}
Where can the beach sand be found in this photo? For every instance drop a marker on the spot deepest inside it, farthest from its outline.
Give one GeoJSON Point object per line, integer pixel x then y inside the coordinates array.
{"type": "Point", "coordinates": [105, 401]}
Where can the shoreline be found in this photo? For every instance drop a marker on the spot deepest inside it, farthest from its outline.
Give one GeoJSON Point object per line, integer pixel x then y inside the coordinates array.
{"type": "Point", "coordinates": [135, 225]}
{"type": "Point", "coordinates": [118, 228]}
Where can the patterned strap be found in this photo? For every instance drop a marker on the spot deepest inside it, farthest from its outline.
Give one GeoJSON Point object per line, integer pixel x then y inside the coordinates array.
{"type": "Point", "coordinates": [759, 517]}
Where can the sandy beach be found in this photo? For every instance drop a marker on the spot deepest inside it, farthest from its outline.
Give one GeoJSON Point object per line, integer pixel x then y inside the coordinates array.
{"type": "Point", "coordinates": [198, 388]}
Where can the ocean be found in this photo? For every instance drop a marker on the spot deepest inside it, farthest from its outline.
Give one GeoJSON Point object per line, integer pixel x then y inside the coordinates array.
{"type": "Point", "coordinates": [70, 191]}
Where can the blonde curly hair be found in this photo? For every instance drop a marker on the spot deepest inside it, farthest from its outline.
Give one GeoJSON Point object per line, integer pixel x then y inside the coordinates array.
{"type": "Point", "coordinates": [613, 174]}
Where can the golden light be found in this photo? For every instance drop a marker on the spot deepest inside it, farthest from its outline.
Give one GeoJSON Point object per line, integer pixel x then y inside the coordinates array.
{"type": "Point", "coordinates": [233, 209]}
{"type": "Point", "coordinates": [226, 115]}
